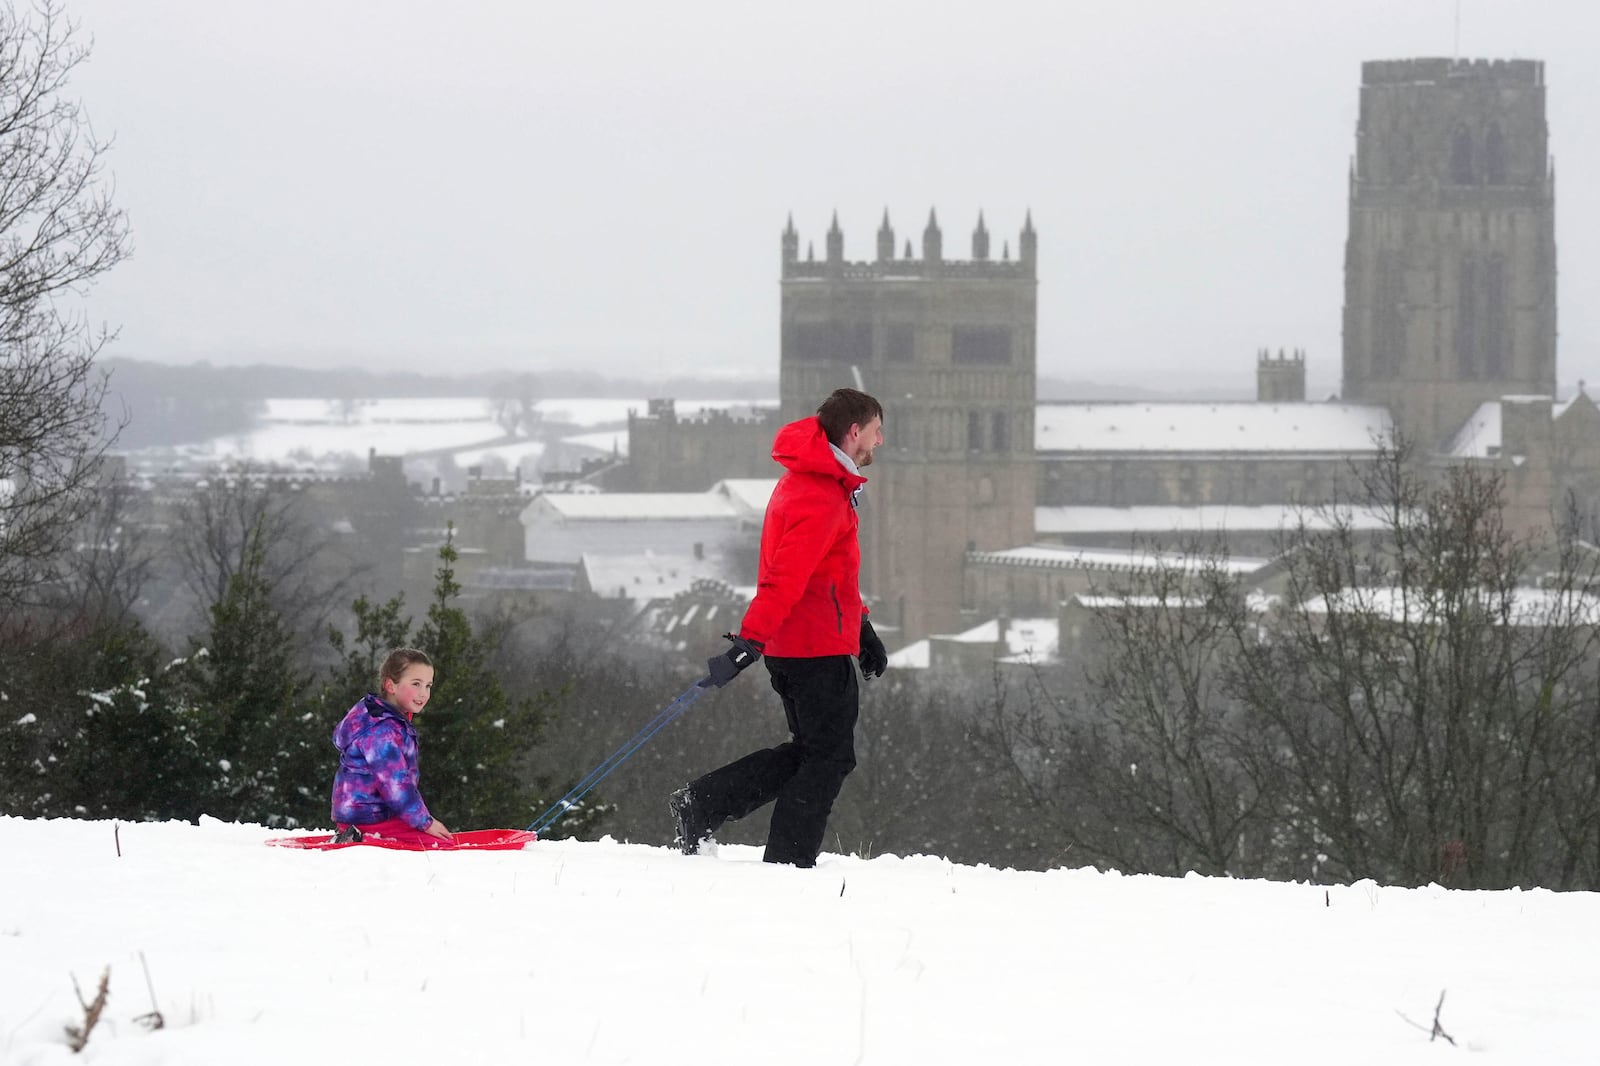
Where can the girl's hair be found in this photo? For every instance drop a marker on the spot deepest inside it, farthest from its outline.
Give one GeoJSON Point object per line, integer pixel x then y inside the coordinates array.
{"type": "Point", "coordinates": [399, 661]}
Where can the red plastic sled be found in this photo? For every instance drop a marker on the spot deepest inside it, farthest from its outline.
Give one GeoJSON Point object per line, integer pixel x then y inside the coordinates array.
{"type": "Point", "coordinates": [474, 840]}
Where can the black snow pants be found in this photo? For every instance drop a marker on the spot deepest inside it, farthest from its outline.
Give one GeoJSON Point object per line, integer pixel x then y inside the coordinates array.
{"type": "Point", "coordinates": [821, 701]}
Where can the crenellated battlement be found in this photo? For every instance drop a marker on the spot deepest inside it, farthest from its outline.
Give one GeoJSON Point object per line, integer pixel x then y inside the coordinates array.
{"type": "Point", "coordinates": [1265, 357]}
{"type": "Point", "coordinates": [931, 263]}
{"type": "Point", "coordinates": [1436, 70]}
{"type": "Point", "coordinates": [905, 268]}
{"type": "Point", "coordinates": [1281, 378]}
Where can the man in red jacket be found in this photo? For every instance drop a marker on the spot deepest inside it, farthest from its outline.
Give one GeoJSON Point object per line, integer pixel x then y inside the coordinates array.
{"type": "Point", "coordinates": [807, 619]}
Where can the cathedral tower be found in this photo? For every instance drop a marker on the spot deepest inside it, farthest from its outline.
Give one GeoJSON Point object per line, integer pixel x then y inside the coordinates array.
{"type": "Point", "coordinates": [948, 347]}
{"type": "Point", "coordinates": [1450, 265]}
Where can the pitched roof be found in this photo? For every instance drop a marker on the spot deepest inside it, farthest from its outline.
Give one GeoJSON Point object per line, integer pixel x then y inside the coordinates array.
{"type": "Point", "coordinates": [1206, 428]}
{"type": "Point", "coordinates": [1202, 518]}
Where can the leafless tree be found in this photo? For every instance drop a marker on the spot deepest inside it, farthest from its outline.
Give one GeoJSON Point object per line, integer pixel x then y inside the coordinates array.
{"type": "Point", "coordinates": [307, 571]}
{"type": "Point", "coordinates": [1414, 703]}
{"type": "Point", "coordinates": [58, 232]}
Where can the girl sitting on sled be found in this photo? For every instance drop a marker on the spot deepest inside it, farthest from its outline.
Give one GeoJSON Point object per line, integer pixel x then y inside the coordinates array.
{"type": "Point", "coordinates": [375, 788]}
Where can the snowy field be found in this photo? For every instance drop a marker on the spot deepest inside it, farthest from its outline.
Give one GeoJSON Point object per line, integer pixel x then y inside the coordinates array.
{"type": "Point", "coordinates": [305, 432]}
{"type": "Point", "coordinates": [599, 952]}
{"type": "Point", "coordinates": [318, 428]}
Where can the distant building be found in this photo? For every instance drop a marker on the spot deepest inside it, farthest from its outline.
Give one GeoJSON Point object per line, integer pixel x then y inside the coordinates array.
{"type": "Point", "coordinates": [1449, 341]}
{"type": "Point", "coordinates": [949, 347]}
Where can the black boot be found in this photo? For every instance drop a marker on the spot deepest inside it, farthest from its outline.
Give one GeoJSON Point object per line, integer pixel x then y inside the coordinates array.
{"type": "Point", "coordinates": [689, 821]}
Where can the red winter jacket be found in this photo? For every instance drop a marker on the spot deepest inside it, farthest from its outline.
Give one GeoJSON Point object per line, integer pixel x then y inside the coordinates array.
{"type": "Point", "coordinates": [808, 585]}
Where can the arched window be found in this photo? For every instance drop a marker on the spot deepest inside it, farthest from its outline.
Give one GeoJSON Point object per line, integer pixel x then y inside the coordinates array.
{"type": "Point", "coordinates": [1493, 335]}
{"type": "Point", "coordinates": [974, 431]}
{"type": "Point", "coordinates": [1467, 333]}
{"type": "Point", "coordinates": [1461, 172]}
{"type": "Point", "coordinates": [1494, 156]}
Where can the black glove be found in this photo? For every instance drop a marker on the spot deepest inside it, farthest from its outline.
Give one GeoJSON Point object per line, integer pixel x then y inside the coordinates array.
{"type": "Point", "coordinates": [725, 667]}
{"type": "Point", "coordinates": [874, 656]}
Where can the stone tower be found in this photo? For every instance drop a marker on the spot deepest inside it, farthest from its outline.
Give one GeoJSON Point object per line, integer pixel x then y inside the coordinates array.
{"type": "Point", "coordinates": [948, 347]}
{"type": "Point", "coordinates": [1281, 378]}
{"type": "Point", "coordinates": [1450, 266]}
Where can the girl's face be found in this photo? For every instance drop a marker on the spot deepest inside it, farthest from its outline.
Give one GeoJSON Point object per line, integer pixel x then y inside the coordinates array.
{"type": "Point", "coordinates": [410, 693]}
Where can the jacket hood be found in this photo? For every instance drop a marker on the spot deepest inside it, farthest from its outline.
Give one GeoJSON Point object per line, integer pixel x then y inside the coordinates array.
{"type": "Point", "coordinates": [361, 717]}
{"type": "Point", "coordinates": [802, 447]}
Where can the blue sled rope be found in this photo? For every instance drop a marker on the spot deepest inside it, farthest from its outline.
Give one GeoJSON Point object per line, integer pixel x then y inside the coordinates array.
{"type": "Point", "coordinates": [617, 758]}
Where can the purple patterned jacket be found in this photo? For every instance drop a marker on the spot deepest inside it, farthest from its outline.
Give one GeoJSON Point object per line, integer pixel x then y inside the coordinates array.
{"type": "Point", "coordinates": [377, 775]}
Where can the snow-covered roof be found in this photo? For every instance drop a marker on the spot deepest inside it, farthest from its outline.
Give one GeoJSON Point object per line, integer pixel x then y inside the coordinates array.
{"type": "Point", "coordinates": [914, 656]}
{"type": "Point", "coordinates": [748, 493]}
{"type": "Point", "coordinates": [648, 575]}
{"type": "Point", "coordinates": [1068, 557]}
{"type": "Point", "coordinates": [638, 506]}
{"type": "Point", "coordinates": [1267, 428]}
{"type": "Point", "coordinates": [1529, 606]}
{"type": "Point", "coordinates": [1027, 640]}
{"type": "Point", "coordinates": [1481, 436]}
{"type": "Point", "coordinates": [1205, 518]}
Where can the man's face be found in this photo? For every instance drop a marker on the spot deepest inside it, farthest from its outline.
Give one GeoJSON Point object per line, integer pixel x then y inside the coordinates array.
{"type": "Point", "coordinates": [862, 439]}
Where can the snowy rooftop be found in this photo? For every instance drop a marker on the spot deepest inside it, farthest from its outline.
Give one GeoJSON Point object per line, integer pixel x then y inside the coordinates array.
{"type": "Point", "coordinates": [749, 493]}
{"type": "Point", "coordinates": [1318, 428]}
{"type": "Point", "coordinates": [649, 575]}
{"type": "Point", "coordinates": [1068, 557]}
{"type": "Point", "coordinates": [1027, 640]}
{"type": "Point", "coordinates": [731, 498]}
{"type": "Point", "coordinates": [1529, 606]}
{"type": "Point", "coordinates": [1205, 518]}
{"type": "Point", "coordinates": [637, 506]}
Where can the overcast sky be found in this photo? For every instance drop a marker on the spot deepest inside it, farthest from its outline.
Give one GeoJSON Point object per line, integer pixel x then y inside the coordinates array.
{"type": "Point", "coordinates": [466, 186]}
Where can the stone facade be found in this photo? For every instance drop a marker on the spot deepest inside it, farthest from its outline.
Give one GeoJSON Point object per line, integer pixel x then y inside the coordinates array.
{"type": "Point", "coordinates": [671, 454]}
{"type": "Point", "coordinates": [949, 347]}
{"type": "Point", "coordinates": [1450, 266]}
{"type": "Point", "coordinates": [1449, 338]}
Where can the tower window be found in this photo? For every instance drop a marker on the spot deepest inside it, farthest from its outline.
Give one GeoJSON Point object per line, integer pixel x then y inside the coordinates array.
{"type": "Point", "coordinates": [1001, 435]}
{"type": "Point", "coordinates": [900, 343]}
{"type": "Point", "coordinates": [1494, 156]}
{"type": "Point", "coordinates": [1461, 171]}
{"type": "Point", "coordinates": [1467, 322]}
{"type": "Point", "coordinates": [981, 344]}
{"type": "Point", "coordinates": [974, 431]}
{"type": "Point", "coordinates": [828, 342]}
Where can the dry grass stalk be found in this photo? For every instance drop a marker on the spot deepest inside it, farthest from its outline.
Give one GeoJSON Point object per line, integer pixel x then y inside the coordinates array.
{"type": "Point", "coordinates": [78, 1038]}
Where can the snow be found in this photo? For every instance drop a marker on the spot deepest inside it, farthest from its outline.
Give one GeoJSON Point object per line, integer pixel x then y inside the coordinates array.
{"type": "Point", "coordinates": [577, 952]}
{"type": "Point", "coordinates": [295, 429]}
{"type": "Point", "coordinates": [1200, 518]}
{"type": "Point", "coordinates": [1203, 428]}
{"type": "Point", "coordinates": [1065, 556]}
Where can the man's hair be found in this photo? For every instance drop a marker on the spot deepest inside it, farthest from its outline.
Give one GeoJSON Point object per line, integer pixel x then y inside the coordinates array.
{"type": "Point", "coordinates": [399, 661]}
{"type": "Point", "coordinates": [845, 408]}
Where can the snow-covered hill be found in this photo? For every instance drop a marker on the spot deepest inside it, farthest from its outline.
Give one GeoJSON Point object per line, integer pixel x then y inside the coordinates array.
{"type": "Point", "coordinates": [602, 952]}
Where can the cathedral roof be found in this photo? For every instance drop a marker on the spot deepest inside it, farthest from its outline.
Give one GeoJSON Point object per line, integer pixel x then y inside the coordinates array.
{"type": "Point", "coordinates": [1199, 518]}
{"type": "Point", "coordinates": [1210, 428]}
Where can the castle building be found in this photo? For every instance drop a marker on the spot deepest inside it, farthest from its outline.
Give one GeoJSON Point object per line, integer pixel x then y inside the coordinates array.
{"type": "Point", "coordinates": [987, 501]}
{"type": "Point", "coordinates": [949, 347]}
{"type": "Point", "coordinates": [1450, 266]}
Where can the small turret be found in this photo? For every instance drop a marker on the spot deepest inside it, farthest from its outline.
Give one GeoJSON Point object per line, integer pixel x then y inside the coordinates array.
{"type": "Point", "coordinates": [1280, 379]}
{"type": "Point", "coordinates": [1028, 246]}
{"type": "Point", "coordinates": [980, 241]}
{"type": "Point", "coordinates": [791, 243]}
{"type": "Point", "coordinates": [932, 240]}
{"type": "Point", "coordinates": [885, 239]}
{"type": "Point", "coordinates": [835, 241]}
